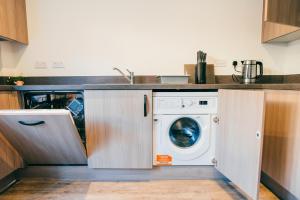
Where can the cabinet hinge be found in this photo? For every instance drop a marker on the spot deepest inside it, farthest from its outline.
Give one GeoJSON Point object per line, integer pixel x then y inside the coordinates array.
{"type": "Point", "coordinates": [215, 162]}
{"type": "Point", "coordinates": [216, 120]}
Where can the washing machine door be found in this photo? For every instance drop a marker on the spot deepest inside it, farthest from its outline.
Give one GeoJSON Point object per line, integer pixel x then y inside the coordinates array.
{"type": "Point", "coordinates": [185, 132]}
{"type": "Point", "coordinates": [184, 137]}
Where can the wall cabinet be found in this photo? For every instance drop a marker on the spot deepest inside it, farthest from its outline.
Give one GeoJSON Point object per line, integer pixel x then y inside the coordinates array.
{"type": "Point", "coordinates": [283, 11]}
{"type": "Point", "coordinates": [13, 23]}
{"type": "Point", "coordinates": [119, 128]}
{"type": "Point", "coordinates": [10, 160]}
{"type": "Point", "coordinates": [281, 20]}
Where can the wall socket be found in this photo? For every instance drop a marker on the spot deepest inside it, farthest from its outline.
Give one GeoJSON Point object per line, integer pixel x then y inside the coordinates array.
{"type": "Point", "coordinates": [220, 63]}
{"type": "Point", "coordinates": [40, 65]}
{"type": "Point", "coordinates": [57, 65]}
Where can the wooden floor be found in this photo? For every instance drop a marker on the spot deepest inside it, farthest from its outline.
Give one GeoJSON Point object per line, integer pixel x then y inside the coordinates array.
{"type": "Point", "coordinates": [152, 190]}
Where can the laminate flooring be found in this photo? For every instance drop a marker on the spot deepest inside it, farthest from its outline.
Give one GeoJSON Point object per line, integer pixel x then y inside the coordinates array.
{"type": "Point", "coordinates": [45, 189]}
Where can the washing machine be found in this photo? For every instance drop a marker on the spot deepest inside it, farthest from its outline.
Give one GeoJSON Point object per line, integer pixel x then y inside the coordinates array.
{"type": "Point", "coordinates": [184, 128]}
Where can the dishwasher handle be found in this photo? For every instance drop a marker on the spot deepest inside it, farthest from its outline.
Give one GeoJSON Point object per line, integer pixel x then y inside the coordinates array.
{"type": "Point", "coordinates": [31, 123]}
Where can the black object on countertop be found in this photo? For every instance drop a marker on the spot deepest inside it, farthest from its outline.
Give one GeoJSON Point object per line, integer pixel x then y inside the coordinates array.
{"type": "Point", "coordinates": [200, 68]}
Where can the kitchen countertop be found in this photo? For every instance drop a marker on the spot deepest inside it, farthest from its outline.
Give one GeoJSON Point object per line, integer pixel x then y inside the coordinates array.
{"type": "Point", "coordinates": [287, 86]}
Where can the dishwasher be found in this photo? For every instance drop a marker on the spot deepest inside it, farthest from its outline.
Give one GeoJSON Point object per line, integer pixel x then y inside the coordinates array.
{"type": "Point", "coordinates": [68, 100]}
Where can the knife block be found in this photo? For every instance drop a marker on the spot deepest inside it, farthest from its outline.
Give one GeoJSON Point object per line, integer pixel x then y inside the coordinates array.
{"type": "Point", "coordinates": [189, 69]}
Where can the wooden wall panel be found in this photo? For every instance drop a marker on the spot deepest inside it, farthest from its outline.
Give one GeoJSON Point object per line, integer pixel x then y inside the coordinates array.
{"type": "Point", "coordinates": [281, 152]}
{"type": "Point", "coordinates": [10, 160]}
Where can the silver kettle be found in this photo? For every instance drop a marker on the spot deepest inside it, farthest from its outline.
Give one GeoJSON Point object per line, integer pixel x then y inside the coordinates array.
{"type": "Point", "coordinates": [249, 71]}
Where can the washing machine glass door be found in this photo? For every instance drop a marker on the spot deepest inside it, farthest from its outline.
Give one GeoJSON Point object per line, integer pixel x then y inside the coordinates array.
{"type": "Point", "coordinates": [185, 132]}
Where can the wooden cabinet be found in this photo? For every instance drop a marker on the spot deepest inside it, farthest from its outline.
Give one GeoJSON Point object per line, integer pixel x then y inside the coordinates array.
{"type": "Point", "coordinates": [281, 20]}
{"type": "Point", "coordinates": [281, 160]}
{"type": "Point", "coordinates": [283, 12]}
{"type": "Point", "coordinates": [13, 23]}
{"type": "Point", "coordinates": [10, 160]}
{"type": "Point", "coordinates": [9, 100]}
{"type": "Point", "coordinates": [239, 138]}
{"type": "Point", "coordinates": [119, 128]}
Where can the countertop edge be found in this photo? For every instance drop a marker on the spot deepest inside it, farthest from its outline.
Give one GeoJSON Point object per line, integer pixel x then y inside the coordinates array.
{"type": "Point", "coordinates": [289, 86]}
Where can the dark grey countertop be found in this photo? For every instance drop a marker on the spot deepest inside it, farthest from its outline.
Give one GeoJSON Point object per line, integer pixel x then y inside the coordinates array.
{"type": "Point", "coordinates": [288, 86]}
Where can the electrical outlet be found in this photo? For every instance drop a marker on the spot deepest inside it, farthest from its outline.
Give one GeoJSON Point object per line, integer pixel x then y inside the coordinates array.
{"type": "Point", "coordinates": [220, 63]}
{"type": "Point", "coordinates": [40, 65]}
{"type": "Point", "coordinates": [57, 65]}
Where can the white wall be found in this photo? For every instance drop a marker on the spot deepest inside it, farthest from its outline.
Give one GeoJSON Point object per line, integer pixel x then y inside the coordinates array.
{"type": "Point", "coordinates": [89, 37]}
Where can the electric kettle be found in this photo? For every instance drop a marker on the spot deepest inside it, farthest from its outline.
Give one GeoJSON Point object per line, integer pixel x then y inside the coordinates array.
{"type": "Point", "coordinates": [249, 71]}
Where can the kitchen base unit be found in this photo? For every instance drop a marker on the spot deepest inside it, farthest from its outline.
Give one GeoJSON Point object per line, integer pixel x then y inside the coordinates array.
{"type": "Point", "coordinates": [119, 133]}
{"type": "Point", "coordinates": [119, 128]}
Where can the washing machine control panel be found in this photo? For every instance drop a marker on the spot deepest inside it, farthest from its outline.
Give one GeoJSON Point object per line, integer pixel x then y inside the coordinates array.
{"type": "Point", "coordinates": [185, 103]}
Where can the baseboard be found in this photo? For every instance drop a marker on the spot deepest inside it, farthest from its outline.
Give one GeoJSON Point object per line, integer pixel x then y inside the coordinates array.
{"type": "Point", "coordinates": [8, 181]}
{"type": "Point", "coordinates": [276, 188]}
{"type": "Point", "coordinates": [85, 173]}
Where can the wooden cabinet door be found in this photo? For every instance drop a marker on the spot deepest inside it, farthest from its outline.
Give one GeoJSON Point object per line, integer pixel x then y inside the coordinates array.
{"type": "Point", "coordinates": [13, 21]}
{"type": "Point", "coordinates": [119, 128]}
{"type": "Point", "coordinates": [21, 22]}
{"type": "Point", "coordinates": [43, 136]}
{"type": "Point", "coordinates": [240, 138]}
{"type": "Point", "coordinates": [8, 19]}
{"type": "Point", "coordinates": [282, 11]}
{"type": "Point", "coordinates": [279, 25]}
{"type": "Point", "coordinates": [10, 160]}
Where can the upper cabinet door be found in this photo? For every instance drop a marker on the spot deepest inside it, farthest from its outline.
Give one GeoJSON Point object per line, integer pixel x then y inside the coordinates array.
{"type": "Point", "coordinates": [119, 128]}
{"type": "Point", "coordinates": [43, 136]}
{"type": "Point", "coordinates": [281, 21]}
{"type": "Point", "coordinates": [240, 138]}
{"type": "Point", "coordinates": [21, 22]}
{"type": "Point", "coordinates": [8, 19]}
{"type": "Point", "coordinates": [13, 22]}
{"type": "Point", "coordinates": [282, 11]}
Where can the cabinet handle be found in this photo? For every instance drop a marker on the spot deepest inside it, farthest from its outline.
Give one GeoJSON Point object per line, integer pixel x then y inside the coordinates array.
{"type": "Point", "coordinates": [145, 105]}
{"type": "Point", "coordinates": [32, 124]}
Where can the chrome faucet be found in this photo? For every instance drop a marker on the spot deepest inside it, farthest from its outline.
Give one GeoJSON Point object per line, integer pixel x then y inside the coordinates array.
{"type": "Point", "coordinates": [130, 78]}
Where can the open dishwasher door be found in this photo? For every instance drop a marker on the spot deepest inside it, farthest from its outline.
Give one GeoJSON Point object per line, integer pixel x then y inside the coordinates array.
{"type": "Point", "coordinates": [43, 137]}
